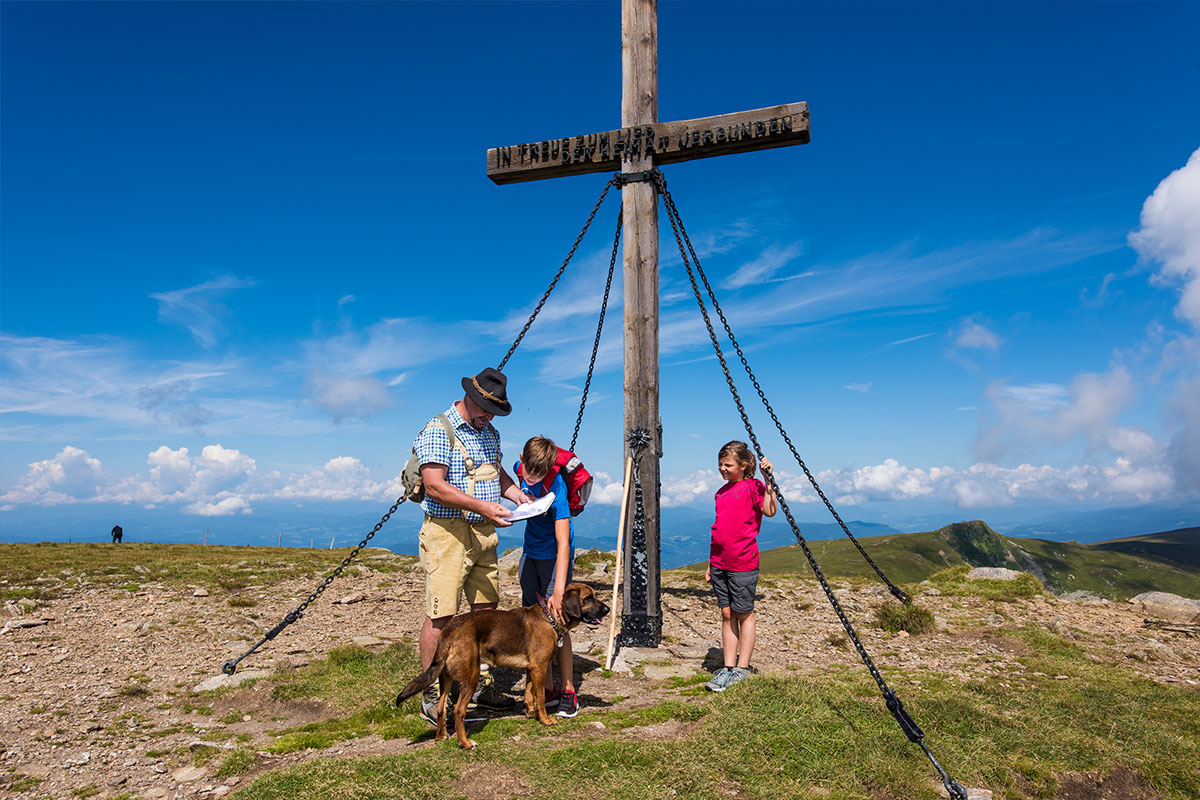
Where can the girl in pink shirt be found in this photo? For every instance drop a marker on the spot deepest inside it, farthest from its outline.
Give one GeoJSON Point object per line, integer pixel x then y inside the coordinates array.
{"type": "Point", "coordinates": [733, 557]}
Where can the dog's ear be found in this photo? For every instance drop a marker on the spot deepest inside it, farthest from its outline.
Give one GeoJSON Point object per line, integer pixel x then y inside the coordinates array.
{"type": "Point", "coordinates": [571, 606]}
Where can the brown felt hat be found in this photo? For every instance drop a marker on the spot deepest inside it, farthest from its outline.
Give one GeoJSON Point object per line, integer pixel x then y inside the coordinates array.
{"type": "Point", "coordinates": [488, 390]}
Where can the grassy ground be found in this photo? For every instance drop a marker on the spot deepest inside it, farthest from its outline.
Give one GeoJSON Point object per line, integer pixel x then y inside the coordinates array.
{"type": "Point", "coordinates": [42, 570]}
{"type": "Point", "coordinates": [772, 737]}
{"type": "Point", "coordinates": [784, 735]}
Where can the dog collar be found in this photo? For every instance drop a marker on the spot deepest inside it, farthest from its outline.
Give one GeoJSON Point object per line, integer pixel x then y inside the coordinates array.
{"type": "Point", "coordinates": [550, 619]}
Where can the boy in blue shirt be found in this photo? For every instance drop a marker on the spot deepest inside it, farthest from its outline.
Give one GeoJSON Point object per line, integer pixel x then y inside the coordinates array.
{"type": "Point", "coordinates": [548, 558]}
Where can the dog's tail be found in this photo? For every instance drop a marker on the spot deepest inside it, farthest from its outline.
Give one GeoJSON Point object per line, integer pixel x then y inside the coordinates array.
{"type": "Point", "coordinates": [426, 678]}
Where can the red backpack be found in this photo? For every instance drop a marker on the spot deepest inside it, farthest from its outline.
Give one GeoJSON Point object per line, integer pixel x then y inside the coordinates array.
{"type": "Point", "coordinates": [575, 475]}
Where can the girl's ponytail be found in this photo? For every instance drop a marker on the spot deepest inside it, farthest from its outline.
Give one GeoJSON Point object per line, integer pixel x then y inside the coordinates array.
{"type": "Point", "coordinates": [740, 451]}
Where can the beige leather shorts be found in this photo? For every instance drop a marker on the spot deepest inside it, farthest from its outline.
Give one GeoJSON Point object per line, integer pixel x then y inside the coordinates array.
{"type": "Point", "coordinates": [458, 557]}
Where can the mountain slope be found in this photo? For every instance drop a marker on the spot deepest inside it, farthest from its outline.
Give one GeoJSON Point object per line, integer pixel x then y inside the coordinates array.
{"type": "Point", "coordinates": [1115, 572]}
{"type": "Point", "coordinates": [1180, 546]}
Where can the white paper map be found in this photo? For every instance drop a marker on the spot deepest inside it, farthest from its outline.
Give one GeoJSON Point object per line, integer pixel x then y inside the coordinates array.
{"type": "Point", "coordinates": [534, 509]}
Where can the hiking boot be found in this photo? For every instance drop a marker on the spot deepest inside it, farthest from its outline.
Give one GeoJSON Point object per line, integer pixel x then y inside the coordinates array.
{"type": "Point", "coordinates": [488, 697]}
{"type": "Point", "coordinates": [720, 680]}
{"type": "Point", "coordinates": [737, 675]}
{"type": "Point", "coordinates": [568, 704]}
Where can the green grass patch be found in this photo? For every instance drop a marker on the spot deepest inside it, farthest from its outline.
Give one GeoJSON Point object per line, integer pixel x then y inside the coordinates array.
{"type": "Point", "coordinates": [241, 601]}
{"type": "Point", "coordinates": [954, 582]}
{"type": "Point", "coordinates": [91, 790]}
{"type": "Point", "coordinates": [238, 762]}
{"type": "Point", "coordinates": [23, 783]}
{"type": "Point", "coordinates": [587, 560]}
{"type": "Point", "coordinates": [908, 617]}
{"type": "Point", "coordinates": [352, 677]}
{"type": "Point", "coordinates": [360, 684]}
{"type": "Point", "coordinates": [203, 754]}
{"type": "Point", "coordinates": [682, 681]}
{"type": "Point", "coordinates": [41, 570]}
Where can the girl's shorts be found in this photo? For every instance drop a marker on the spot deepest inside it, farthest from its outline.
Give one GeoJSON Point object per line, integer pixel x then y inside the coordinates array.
{"type": "Point", "coordinates": [735, 589]}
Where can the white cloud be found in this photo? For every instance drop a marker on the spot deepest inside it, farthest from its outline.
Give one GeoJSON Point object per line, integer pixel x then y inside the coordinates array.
{"type": "Point", "coordinates": [220, 468]}
{"type": "Point", "coordinates": [973, 335]}
{"type": "Point", "coordinates": [678, 490]}
{"type": "Point", "coordinates": [1170, 235]}
{"type": "Point", "coordinates": [94, 388]}
{"type": "Point", "coordinates": [171, 471]}
{"type": "Point", "coordinates": [70, 476]}
{"type": "Point", "coordinates": [886, 481]}
{"type": "Point", "coordinates": [764, 266]}
{"type": "Point", "coordinates": [198, 307]}
{"type": "Point", "coordinates": [175, 401]}
{"type": "Point", "coordinates": [348, 396]}
{"type": "Point", "coordinates": [1183, 453]}
{"type": "Point", "coordinates": [224, 481]}
{"type": "Point", "coordinates": [605, 490]}
{"type": "Point", "coordinates": [349, 372]}
{"type": "Point", "coordinates": [986, 484]}
{"type": "Point", "coordinates": [861, 388]}
{"type": "Point", "coordinates": [1036, 416]}
{"type": "Point", "coordinates": [342, 478]}
{"type": "Point", "coordinates": [226, 505]}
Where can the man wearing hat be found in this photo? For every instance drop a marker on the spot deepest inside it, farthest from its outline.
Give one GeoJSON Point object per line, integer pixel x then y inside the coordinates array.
{"type": "Point", "coordinates": [463, 481]}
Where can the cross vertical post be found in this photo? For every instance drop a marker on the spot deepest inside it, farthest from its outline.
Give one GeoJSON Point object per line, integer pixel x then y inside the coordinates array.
{"type": "Point", "coordinates": [641, 622]}
{"type": "Point", "coordinates": [640, 145]}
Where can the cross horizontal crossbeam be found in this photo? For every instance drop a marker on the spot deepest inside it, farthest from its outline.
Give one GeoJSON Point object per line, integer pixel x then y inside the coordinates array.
{"type": "Point", "coordinates": [664, 142]}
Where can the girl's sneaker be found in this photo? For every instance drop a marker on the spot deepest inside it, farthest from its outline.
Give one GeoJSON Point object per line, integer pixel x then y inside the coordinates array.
{"type": "Point", "coordinates": [552, 697]}
{"type": "Point", "coordinates": [568, 704]}
{"type": "Point", "coordinates": [737, 675]}
{"type": "Point", "coordinates": [720, 681]}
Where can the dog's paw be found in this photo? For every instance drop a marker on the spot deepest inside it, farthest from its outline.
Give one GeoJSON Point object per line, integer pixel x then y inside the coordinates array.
{"type": "Point", "coordinates": [470, 745]}
{"type": "Point", "coordinates": [549, 721]}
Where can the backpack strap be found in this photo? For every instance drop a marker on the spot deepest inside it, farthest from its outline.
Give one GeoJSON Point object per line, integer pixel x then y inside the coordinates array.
{"type": "Point", "coordinates": [475, 472]}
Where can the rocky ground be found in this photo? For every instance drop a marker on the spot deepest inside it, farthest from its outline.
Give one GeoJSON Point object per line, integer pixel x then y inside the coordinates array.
{"type": "Point", "coordinates": [95, 686]}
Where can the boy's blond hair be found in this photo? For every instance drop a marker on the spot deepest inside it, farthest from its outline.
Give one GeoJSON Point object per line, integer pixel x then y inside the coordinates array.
{"type": "Point", "coordinates": [539, 456]}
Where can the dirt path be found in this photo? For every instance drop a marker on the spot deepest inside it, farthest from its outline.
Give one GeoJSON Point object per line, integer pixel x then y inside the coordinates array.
{"type": "Point", "coordinates": [98, 695]}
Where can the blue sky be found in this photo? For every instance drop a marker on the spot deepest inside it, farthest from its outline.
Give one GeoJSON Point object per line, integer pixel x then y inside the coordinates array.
{"type": "Point", "coordinates": [248, 249]}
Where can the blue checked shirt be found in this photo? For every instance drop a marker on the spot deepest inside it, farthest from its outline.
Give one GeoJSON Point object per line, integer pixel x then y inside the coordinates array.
{"type": "Point", "coordinates": [433, 446]}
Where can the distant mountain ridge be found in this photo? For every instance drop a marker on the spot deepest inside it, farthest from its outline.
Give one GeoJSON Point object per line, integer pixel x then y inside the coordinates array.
{"type": "Point", "coordinates": [1166, 561]}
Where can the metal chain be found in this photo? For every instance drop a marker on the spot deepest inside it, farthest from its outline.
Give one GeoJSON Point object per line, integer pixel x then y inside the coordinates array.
{"type": "Point", "coordinates": [612, 265]}
{"type": "Point", "coordinates": [894, 705]}
{"type": "Point", "coordinates": [559, 274]}
{"type": "Point", "coordinates": [230, 667]}
{"type": "Point", "coordinates": [896, 591]}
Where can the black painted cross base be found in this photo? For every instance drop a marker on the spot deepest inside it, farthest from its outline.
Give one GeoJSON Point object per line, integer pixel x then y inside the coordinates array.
{"type": "Point", "coordinates": [640, 630]}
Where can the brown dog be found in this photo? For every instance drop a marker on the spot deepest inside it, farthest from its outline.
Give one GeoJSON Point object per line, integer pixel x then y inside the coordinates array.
{"type": "Point", "coordinates": [522, 638]}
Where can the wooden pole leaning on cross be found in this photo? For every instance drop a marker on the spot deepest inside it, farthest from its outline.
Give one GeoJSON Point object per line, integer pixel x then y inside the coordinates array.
{"type": "Point", "coordinates": [639, 146]}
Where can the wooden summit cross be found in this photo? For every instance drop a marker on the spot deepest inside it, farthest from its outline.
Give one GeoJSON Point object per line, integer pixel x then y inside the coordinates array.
{"type": "Point", "coordinates": [639, 145]}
